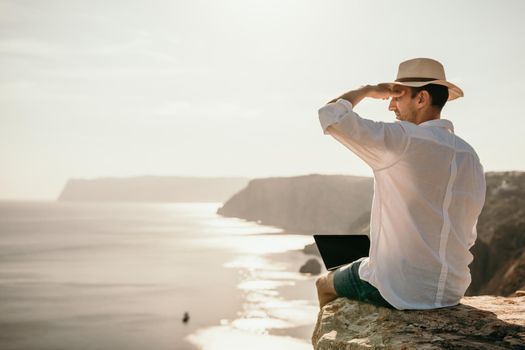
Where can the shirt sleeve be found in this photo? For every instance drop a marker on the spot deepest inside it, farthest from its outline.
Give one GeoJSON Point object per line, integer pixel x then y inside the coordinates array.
{"type": "Point", "coordinates": [379, 144]}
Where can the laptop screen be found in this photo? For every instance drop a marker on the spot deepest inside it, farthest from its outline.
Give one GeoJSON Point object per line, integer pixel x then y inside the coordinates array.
{"type": "Point", "coordinates": [338, 250]}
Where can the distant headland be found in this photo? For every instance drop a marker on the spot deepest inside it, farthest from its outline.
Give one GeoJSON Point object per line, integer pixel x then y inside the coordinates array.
{"type": "Point", "coordinates": [153, 189]}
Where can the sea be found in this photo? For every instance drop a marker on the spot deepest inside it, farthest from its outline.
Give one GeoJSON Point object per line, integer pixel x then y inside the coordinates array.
{"type": "Point", "coordinates": [88, 275]}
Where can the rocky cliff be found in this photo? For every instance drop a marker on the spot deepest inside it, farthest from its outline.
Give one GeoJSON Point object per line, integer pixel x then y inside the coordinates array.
{"type": "Point", "coordinates": [499, 259]}
{"type": "Point", "coordinates": [341, 204]}
{"type": "Point", "coordinates": [152, 189]}
{"type": "Point", "coordinates": [311, 203]}
{"type": "Point", "coordinates": [482, 322]}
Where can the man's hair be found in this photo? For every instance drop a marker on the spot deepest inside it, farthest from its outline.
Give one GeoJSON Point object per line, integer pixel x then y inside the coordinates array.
{"type": "Point", "coordinates": [438, 94]}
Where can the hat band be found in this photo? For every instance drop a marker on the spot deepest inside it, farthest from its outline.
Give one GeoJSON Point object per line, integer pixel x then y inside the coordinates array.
{"type": "Point", "coordinates": [402, 80]}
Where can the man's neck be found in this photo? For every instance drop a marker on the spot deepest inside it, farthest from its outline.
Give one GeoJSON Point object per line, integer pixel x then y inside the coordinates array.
{"type": "Point", "coordinates": [427, 115]}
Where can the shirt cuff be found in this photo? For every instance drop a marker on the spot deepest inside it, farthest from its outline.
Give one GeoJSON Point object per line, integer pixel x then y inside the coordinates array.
{"type": "Point", "coordinates": [333, 112]}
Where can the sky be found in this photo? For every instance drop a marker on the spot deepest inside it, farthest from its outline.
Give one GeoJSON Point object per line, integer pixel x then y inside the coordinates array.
{"type": "Point", "coordinates": [125, 88]}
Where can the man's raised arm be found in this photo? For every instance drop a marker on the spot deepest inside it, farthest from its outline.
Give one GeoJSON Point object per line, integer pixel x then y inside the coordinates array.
{"type": "Point", "coordinates": [379, 144]}
{"type": "Point", "coordinates": [380, 91]}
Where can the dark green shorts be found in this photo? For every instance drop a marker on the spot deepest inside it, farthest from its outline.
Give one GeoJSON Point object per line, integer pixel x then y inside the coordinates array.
{"type": "Point", "coordinates": [348, 284]}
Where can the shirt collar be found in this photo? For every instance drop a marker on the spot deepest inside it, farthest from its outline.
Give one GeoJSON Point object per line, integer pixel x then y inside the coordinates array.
{"type": "Point", "coordinates": [441, 123]}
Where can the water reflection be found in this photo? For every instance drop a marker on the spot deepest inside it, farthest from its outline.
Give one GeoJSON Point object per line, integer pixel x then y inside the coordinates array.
{"type": "Point", "coordinates": [227, 337]}
{"type": "Point", "coordinates": [266, 267]}
{"type": "Point", "coordinates": [256, 244]}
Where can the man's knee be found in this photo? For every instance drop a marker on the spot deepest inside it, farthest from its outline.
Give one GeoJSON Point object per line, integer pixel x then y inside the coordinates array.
{"type": "Point", "coordinates": [320, 281]}
{"type": "Point", "coordinates": [325, 284]}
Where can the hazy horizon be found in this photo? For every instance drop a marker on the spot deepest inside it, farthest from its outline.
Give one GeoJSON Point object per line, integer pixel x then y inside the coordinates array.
{"type": "Point", "coordinates": [217, 89]}
{"type": "Point", "coordinates": [138, 176]}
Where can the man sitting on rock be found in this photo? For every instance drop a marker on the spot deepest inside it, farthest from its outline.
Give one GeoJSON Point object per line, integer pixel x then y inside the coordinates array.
{"type": "Point", "coordinates": [429, 189]}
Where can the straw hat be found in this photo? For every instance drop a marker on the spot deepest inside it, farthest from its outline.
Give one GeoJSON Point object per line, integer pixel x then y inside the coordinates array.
{"type": "Point", "coordinates": [423, 71]}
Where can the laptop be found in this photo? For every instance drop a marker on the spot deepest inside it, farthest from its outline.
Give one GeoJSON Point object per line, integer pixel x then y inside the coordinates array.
{"type": "Point", "coordinates": [338, 250]}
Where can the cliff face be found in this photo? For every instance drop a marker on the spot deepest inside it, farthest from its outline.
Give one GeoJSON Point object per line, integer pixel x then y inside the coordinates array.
{"type": "Point", "coordinates": [313, 203]}
{"type": "Point", "coordinates": [341, 204]}
{"type": "Point", "coordinates": [499, 262]}
{"type": "Point", "coordinates": [152, 189]}
{"type": "Point", "coordinates": [482, 322]}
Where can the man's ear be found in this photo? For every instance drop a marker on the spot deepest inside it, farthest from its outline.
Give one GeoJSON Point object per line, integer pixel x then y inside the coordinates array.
{"type": "Point", "coordinates": [423, 97]}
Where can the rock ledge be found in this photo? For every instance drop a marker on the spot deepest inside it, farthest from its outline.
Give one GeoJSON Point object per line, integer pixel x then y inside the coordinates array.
{"type": "Point", "coordinates": [482, 322]}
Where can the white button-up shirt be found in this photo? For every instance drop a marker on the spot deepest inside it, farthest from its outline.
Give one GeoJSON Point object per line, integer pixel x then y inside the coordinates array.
{"type": "Point", "coordinates": [429, 189]}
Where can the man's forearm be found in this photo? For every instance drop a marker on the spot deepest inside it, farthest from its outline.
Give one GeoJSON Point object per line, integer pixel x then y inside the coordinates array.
{"type": "Point", "coordinates": [380, 91]}
{"type": "Point", "coordinates": [354, 96]}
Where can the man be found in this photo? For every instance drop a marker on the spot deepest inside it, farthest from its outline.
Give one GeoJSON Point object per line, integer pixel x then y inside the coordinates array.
{"type": "Point", "coordinates": [429, 189]}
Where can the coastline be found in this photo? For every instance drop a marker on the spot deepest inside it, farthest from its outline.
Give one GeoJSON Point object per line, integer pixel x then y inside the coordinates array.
{"type": "Point", "coordinates": [278, 309]}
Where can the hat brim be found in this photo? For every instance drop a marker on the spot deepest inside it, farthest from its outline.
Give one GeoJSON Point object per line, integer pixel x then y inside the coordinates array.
{"type": "Point", "coordinates": [453, 91]}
